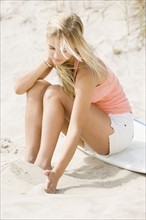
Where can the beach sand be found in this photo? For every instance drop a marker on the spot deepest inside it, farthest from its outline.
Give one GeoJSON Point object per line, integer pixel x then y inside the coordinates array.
{"type": "Point", "coordinates": [89, 188]}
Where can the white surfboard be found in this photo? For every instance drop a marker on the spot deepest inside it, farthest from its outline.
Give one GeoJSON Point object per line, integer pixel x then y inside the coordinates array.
{"type": "Point", "coordinates": [134, 157]}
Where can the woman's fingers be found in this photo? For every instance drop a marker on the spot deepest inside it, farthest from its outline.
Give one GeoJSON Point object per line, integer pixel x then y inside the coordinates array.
{"type": "Point", "coordinates": [51, 182]}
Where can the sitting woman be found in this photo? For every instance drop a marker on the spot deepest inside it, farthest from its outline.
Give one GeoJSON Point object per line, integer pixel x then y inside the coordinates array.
{"type": "Point", "coordinates": [89, 107]}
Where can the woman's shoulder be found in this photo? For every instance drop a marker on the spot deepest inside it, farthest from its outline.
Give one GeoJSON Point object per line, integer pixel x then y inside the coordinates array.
{"type": "Point", "coordinates": [81, 67]}
{"type": "Point", "coordinates": [105, 73]}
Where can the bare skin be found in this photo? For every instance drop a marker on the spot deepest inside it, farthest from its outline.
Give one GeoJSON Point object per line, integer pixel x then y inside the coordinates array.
{"type": "Point", "coordinates": [95, 132]}
{"type": "Point", "coordinates": [49, 111]}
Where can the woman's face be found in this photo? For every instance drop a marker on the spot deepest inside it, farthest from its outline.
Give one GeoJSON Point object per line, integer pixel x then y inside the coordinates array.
{"type": "Point", "coordinates": [55, 53]}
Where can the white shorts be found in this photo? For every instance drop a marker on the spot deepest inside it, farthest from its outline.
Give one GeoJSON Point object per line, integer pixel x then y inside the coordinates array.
{"type": "Point", "coordinates": [123, 132]}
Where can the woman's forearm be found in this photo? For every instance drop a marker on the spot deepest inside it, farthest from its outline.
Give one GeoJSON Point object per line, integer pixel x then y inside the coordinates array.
{"type": "Point", "coordinates": [26, 81]}
{"type": "Point", "coordinates": [77, 121]}
{"type": "Point", "coordinates": [70, 146]}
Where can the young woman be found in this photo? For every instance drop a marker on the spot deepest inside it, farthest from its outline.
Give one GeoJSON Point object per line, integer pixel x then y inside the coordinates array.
{"type": "Point", "coordinates": [89, 107]}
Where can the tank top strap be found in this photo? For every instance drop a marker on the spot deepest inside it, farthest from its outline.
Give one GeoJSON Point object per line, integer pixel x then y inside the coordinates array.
{"type": "Point", "coordinates": [75, 68]}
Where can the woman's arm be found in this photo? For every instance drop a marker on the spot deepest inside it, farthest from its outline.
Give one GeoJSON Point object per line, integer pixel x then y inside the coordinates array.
{"type": "Point", "coordinates": [84, 87]}
{"type": "Point", "coordinates": [27, 80]}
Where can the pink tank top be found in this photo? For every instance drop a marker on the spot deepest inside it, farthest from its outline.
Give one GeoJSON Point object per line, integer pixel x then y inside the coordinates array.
{"type": "Point", "coordinates": [109, 96]}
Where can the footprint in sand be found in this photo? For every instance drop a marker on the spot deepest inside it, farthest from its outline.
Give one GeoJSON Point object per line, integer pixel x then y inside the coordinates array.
{"type": "Point", "coordinates": [7, 146]}
{"type": "Point", "coordinates": [23, 171]}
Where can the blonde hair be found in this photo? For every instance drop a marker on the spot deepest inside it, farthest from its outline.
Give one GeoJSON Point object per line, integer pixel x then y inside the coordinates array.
{"type": "Point", "coordinates": [68, 27]}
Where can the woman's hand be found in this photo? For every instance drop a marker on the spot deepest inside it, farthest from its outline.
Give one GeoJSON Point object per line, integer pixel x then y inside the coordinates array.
{"type": "Point", "coordinates": [51, 182]}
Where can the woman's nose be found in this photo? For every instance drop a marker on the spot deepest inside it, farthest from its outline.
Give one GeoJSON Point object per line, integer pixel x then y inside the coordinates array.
{"type": "Point", "coordinates": [57, 55]}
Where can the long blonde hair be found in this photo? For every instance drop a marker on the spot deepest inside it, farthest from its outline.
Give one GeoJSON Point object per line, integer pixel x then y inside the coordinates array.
{"type": "Point", "coordinates": [68, 27]}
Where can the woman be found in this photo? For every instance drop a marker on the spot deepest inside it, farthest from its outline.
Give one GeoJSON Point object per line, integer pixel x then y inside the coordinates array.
{"type": "Point", "coordinates": [90, 107]}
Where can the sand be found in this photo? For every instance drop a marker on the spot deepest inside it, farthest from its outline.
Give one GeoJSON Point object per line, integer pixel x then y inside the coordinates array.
{"type": "Point", "coordinates": [89, 188]}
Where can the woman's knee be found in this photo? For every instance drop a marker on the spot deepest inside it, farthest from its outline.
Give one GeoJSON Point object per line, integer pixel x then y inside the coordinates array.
{"type": "Point", "coordinates": [38, 89]}
{"type": "Point", "coordinates": [53, 91]}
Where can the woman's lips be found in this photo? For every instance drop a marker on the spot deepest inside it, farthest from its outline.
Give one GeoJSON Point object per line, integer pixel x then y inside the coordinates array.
{"type": "Point", "coordinates": [57, 60]}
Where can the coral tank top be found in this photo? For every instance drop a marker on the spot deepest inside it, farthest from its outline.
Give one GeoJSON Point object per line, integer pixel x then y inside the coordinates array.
{"type": "Point", "coordinates": [109, 96]}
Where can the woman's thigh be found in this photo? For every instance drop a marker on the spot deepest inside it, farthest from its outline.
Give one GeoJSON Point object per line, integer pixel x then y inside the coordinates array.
{"type": "Point", "coordinates": [97, 128]}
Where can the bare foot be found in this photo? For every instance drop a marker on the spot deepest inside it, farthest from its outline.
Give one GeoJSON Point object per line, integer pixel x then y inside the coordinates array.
{"type": "Point", "coordinates": [51, 181]}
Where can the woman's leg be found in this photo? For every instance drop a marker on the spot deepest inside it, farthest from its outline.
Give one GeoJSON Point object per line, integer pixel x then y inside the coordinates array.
{"type": "Point", "coordinates": [57, 108]}
{"type": "Point", "coordinates": [33, 119]}
{"type": "Point", "coordinates": [90, 130]}
{"type": "Point", "coordinates": [52, 124]}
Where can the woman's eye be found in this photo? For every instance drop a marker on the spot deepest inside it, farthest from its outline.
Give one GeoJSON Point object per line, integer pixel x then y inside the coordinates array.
{"type": "Point", "coordinates": [51, 48]}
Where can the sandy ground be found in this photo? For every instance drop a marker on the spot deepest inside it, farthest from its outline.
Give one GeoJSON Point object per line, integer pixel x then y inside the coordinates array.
{"type": "Point", "coordinates": [89, 188]}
